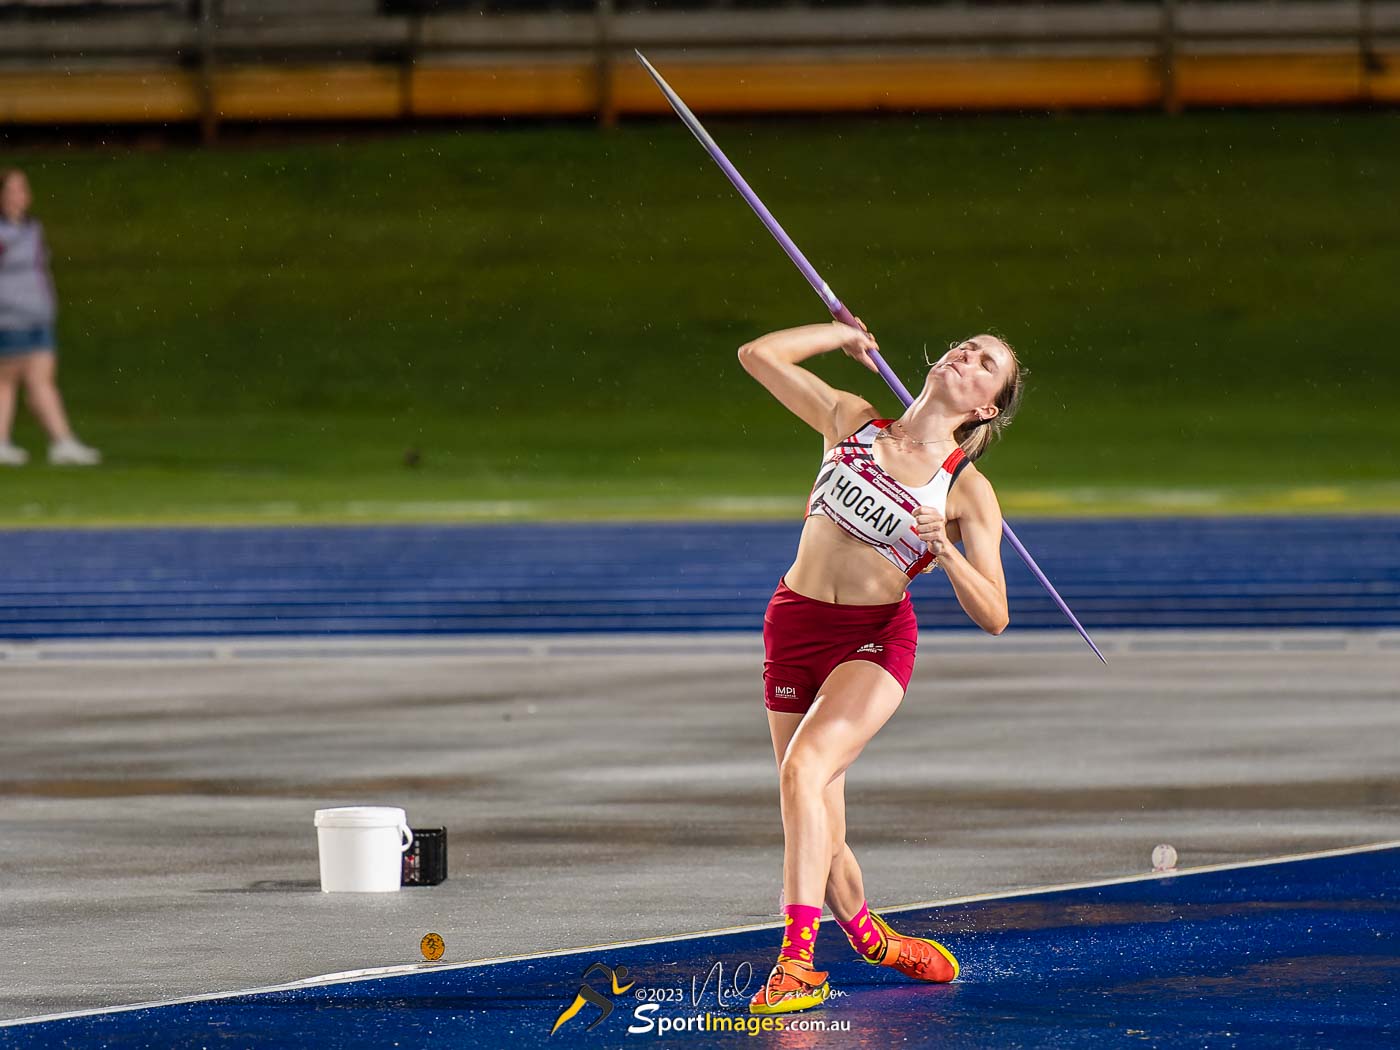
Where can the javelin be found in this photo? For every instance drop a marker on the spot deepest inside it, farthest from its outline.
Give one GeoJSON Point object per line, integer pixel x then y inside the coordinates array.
{"type": "Point", "coordinates": [838, 310]}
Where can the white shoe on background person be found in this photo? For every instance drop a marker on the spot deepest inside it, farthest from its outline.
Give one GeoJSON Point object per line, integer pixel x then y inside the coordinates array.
{"type": "Point", "coordinates": [70, 452]}
{"type": "Point", "coordinates": [12, 455]}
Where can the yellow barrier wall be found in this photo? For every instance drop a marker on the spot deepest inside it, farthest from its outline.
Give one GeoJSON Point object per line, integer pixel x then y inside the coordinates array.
{"type": "Point", "coordinates": [554, 89]}
{"type": "Point", "coordinates": [570, 88]}
{"type": "Point", "coordinates": [942, 83]}
{"type": "Point", "coordinates": [1266, 80]}
{"type": "Point", "coordinates": [98, 98]}
{"type": "Point", "coordinates": [309, 93]}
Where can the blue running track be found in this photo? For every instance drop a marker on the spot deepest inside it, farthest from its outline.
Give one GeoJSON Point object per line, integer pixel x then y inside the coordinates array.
{"type": "Point", "coordinates": [1304, 953]}
{"type": "Point", "coordinates": [197, 582]}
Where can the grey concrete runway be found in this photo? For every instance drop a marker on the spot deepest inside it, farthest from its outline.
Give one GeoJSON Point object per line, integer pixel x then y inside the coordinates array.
{"type": "Point", "coordinates": [155, 814]}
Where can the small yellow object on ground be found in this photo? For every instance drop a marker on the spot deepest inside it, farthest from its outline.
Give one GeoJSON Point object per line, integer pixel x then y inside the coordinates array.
{"type": "Point", "coordinates": [432, 946]}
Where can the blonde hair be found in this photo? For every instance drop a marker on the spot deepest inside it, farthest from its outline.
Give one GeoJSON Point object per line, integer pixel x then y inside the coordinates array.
{"type": "Point", "coordinates": [976, 436]}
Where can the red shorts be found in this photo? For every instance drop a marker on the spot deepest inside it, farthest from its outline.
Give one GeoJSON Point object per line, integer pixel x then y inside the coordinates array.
{"type": "Point", "coordinates": [804, 640]}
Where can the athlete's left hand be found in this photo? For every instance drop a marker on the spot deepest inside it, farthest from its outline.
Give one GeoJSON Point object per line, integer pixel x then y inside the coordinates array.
{"type": "Point", "coordinates": [930, 525]}
{"type": "Point", "coordinates": [858, 342]}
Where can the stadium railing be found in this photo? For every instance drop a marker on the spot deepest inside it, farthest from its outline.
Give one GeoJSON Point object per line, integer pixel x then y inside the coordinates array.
{"type": "Point", "coordinates": [77, 61]}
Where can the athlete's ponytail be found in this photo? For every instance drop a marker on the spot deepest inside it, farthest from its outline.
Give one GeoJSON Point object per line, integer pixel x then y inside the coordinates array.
{"type": "Point", "coordinates": [975, 437]}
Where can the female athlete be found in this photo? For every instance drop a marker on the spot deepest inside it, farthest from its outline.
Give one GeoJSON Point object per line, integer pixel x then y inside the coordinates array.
{"type": "Point", "coordinates": [840, 634]}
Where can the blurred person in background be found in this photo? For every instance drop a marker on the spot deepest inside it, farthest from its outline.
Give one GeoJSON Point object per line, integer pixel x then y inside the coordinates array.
{"type": "Point", "coordinates": [27, 310]}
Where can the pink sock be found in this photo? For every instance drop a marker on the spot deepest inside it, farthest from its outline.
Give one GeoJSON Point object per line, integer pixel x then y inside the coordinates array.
{"type": "Point", "coordinates": [864, 935]}
{"type": "Point", "coordinates": [800, 933]}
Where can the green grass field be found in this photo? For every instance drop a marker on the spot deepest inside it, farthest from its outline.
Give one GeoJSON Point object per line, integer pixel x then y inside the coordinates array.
{"type": "Point", "coordinates": [549, 315]}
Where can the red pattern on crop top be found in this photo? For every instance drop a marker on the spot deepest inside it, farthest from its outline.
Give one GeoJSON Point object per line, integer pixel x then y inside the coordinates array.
{"type": "Point", "coordinates": [908, 553]}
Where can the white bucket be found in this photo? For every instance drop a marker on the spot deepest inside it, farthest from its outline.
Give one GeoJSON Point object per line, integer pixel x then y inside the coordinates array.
{"type": "Point", "coordinates": [362, 848]}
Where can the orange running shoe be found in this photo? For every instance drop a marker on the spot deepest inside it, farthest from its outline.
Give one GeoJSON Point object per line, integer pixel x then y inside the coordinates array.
{"type": "Point", "coordinates": [790, 987]}
{"type": "Point", "coordinates": [916, 957]}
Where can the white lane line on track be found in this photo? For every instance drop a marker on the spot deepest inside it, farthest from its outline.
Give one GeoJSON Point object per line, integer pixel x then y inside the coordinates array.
{"type": "Point", "coordinates": [403, 970]}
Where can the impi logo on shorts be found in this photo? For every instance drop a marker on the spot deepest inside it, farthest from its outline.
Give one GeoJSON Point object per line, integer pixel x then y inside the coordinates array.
{"type": "Point", "coordinates": [588, 994]}
{"type": "Point", "coordinates": [785, 692]}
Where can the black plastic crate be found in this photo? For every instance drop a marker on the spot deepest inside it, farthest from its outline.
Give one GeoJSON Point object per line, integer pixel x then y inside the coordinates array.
{"type": "Point", "coordinates": [425, 862]}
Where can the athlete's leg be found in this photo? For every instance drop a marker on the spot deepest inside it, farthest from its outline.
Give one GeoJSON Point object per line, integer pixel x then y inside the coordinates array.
{"type": "Point", "coordinates": [869, 934]}
{"type": "Point", "coordinates": [795, 983]}
{"type": "Point", "coordinates": [856, 699]}
{"type": "Point", "coordinates": [781, 726]}
{"type": "Point", "coordinates": [845, 887]}
{"type": "Point", "coordinates": [845, 891]}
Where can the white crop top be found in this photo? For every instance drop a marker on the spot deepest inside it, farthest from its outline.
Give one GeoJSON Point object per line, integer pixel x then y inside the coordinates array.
{"type": "Point", "coordinates": [854, 492]}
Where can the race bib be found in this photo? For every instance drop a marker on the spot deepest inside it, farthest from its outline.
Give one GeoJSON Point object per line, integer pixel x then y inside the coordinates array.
{"type": "Point", "coordinates": [866, 501]}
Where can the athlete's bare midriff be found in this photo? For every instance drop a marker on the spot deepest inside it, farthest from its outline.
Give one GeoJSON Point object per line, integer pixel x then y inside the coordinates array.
{"type": "Point", "coordinates": [832, 566]}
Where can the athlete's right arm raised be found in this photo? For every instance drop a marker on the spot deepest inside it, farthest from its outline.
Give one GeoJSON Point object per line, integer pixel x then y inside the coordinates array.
{"type": "Point", "coordinates": [773, 360]}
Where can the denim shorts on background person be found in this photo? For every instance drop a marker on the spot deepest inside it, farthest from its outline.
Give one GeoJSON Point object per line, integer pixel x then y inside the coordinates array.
{"type": "Point", "coordinates": [16, 341]}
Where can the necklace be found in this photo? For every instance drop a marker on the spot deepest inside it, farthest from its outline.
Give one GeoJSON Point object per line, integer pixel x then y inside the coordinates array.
{"type": "Point", "coordinates": [912, 440]}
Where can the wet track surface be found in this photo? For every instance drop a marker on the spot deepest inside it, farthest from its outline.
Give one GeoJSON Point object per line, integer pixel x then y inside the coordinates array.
{"type": "Point", "coordinates": [607, 788]}
{"type": "Point", "coordinates": [1299, 954]}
